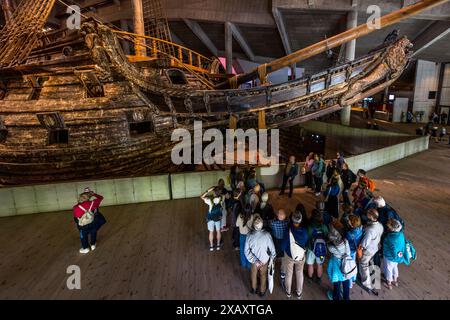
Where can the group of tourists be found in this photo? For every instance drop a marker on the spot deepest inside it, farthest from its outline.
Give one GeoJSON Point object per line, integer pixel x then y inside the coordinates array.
{"type": "Point", "coordinates": [350, 230]}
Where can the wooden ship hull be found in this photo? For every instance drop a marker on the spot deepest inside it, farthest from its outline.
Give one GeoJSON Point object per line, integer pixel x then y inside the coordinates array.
{"type": "Point", "coordinates": [76, 107]}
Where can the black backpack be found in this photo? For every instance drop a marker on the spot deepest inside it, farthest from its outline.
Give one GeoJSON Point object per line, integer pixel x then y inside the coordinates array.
{"type": "Point", "coordinates": [216, 213]}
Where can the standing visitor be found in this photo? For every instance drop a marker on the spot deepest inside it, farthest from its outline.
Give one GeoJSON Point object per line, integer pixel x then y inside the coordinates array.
{"type": "Point", "coordinates": [330, 169]}
{"type": "Point", "coordinates": [318, 169]}
{"type": "Point", "coordinates": [331, 195]}
{"type": "Point", "coordinates": [237, 209]}
{"type": "Point", "coordinates": [348, 179]}
{"type": "Point", "coordinates": [226, 204]}
{"type": "Point", "coordinates": [316, 252]}
{"type": "Point", "coordinates": [394, 252]}
{"type": "Point", "coordinates": [354, 235]}
{"type": "Point", "coordinates": [259, 249]}
{"type": "Point", "coordinates": [409, 116]}
{"type": "Point", "coordinates": [290, 172]}
{"type": "Point", "coordinates": [278, 230]}
{"type": "Point", "coordinates": [254, 197]}
{"type": "Point", "coordinates": [244, 222]}
{"type": "Point", "coordinates": [386, 212]}
{"type": "Point", "coordinates": [294, 248]}
{"type": "Point", "coordinates": [442, 133]}
{"type": "Point", "coordinates": [84, 217]}
{"type": "Point", "coordinates": [444, 118]}
{"type": "Point", "coordinates": [233, 176]}
{"type": "Point", "coordinates": [340, 160]}
{"type": "Point", "coordinates": [213, 199]}
{"type": "Point", "coordinates": [394, 247]}
{"type": "Point", "coordinates": [307, 168]}
{"type": "Point", "coordinates": [370, 242]}
{"type": "Point", "coordinates": [339, 249]}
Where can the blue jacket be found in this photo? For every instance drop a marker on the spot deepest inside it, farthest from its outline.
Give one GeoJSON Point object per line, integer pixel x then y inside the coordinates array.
{"type": "Point", "coordinates": [301, 238]}
{"type": "Point", "coordinates": [354, 238]}
{"type": "Point", "coordinates": [318, 168]}
{"type": "Point", "coordinates": [394, 247]}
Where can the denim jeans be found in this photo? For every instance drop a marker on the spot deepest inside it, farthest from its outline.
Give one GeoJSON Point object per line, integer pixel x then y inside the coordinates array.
{"type": "Point", "coordinates": [244, 262]}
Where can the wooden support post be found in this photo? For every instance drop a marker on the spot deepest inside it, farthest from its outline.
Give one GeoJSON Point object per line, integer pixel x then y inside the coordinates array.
{"type": "Point", "coordinates": [262, 119]}
{"type": "Point", "coordinates": [154, 49]}
{"type": "Point", "coordinates": [139, 43]}
{"type": "Point", "coordinates": [180, 54]}
{"type": "Point", "coordinates": [232, 122]}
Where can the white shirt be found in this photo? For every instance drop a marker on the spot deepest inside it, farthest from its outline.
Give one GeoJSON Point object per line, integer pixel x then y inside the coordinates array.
{"type": "Point", "coordinates": [372, 236]}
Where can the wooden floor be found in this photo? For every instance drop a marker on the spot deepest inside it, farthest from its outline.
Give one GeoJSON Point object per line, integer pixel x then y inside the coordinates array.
{"type": "Point", "coordinates": [159, 250]}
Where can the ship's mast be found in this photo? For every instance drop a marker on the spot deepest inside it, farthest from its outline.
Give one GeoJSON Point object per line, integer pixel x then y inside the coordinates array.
{"type": "Point", "coordinates": [139, 28]}
{"type": "Point", "coordinates": [330, 43]}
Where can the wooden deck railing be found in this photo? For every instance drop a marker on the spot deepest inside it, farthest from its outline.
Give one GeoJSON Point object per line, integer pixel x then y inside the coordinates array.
{"type": "Point", "coordinates": [196, 61]}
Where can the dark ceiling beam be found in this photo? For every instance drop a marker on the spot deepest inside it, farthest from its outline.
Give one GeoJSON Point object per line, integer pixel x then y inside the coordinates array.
{"type": "Point", "coordinates": [198, 31]}
{"type": "Point", "coordinates": [258, 59]}
{"type": "Point", "coordinates": [281, 26]}
{"type": "Point", "coordinates": [242, 42]}
{"type": "Point", "coordinates": [435, 32]}
{"type": "Point", "coordinates": [177, 39]}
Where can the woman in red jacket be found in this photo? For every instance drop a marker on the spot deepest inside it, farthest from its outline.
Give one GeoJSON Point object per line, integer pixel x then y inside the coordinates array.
{"type": "Point", "coordinates": [84, 207]}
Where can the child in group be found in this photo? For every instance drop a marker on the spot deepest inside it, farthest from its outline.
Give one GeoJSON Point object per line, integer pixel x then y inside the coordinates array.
{"type": "Point", "coordinates": [213, 199]}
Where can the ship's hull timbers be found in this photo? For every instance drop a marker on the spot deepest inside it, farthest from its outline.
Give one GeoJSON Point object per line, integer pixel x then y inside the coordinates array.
{"type": "Point", "coordinates": [102, 116]}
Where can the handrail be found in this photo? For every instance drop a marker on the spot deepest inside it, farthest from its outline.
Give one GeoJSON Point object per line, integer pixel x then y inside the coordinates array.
{"type": "Point", "coordinates": [195, 59]}
{"type": "Point", "coordinates": [186, 66]}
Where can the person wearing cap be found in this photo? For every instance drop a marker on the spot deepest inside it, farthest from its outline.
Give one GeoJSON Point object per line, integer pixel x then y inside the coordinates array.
{"type": "Point", "coordinates": [295, 235]}
{"type": "Point", "coordinates": [259, 249]}
{"type": "Point", "coordinates": [370, 242]}
{"type": "Point", "coordinates": [394, 252]}
{"type": "Point", "coordinates": [244, 223]}
{"type": "Point", "coordinates": [386, 212]}
{"type": "Point", "coordinates": [84, 205]}
{"type": "Point", "coordinates": [213, 199]}
{"type": "Point", "coordinates": [290, 172]}
{"type": "Point", "coordinates": [265, 210]}
{"type": "Point", "coordinates": [338, 248]}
